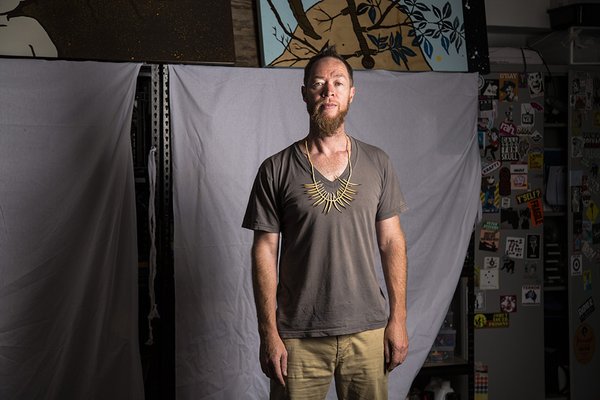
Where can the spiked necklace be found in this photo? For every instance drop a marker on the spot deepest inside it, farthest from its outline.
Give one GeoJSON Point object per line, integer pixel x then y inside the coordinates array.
{"type": "Point", "coordinates": [316, 190]}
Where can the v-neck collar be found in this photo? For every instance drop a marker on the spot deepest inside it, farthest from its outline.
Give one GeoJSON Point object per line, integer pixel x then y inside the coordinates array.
{"type": "Point", "coordinates": [299, 146]}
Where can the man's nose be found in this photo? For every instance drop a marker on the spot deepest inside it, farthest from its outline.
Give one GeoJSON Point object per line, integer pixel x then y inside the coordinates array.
{"type": "Point", "coordinates": [327, 90]}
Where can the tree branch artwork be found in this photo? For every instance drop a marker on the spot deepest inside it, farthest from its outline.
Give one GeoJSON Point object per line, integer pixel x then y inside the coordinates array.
{"type": "Point", "coordinates": [407, 35]}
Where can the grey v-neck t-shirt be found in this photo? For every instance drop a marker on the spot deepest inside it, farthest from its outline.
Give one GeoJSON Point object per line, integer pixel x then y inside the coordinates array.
{"type": "Point", "coordinates": [327, 280]}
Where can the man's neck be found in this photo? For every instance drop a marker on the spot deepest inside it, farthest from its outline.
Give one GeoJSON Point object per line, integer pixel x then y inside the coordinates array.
{"type": "Point", "coordinates": [327, 144]}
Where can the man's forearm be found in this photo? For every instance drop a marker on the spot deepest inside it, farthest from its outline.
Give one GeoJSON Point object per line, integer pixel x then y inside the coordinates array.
{"type": "Point", "coordinates": [264, 279]}
{"type": "Point", "coordinates": [273, 354]}
{"type": "Point", "coordinates": [392, 248]}
{"type": "Point", "coordinates": [394, 267]}
{"type": "Point", "coordinates": [264, 297]}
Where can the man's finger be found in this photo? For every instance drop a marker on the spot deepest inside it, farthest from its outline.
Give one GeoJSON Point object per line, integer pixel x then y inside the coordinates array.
{"type": "Point", "coordinates": [278, 374]}
{"type": "Point", "coordinates": [397, 358]}
{"type": "Point", "coordinates": [386, 353]}
{"type": "Point", "coordinates": [284, 364]}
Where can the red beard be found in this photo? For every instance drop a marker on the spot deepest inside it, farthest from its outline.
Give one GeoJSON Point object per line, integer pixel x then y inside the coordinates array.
{"type": "Point", "coordinates": [327, 125]}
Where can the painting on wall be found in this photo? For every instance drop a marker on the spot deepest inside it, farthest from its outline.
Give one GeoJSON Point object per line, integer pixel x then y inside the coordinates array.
{"type": "Point", "coordinates": [155, 31]}
{"type": "Point", "coordinates": [399, 35]}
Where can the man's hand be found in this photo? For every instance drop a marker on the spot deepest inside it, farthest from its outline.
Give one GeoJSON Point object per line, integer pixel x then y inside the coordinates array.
{"type": "Point", "coordinates": [273, 358]}
{"type": "Point", "coordinates": [395, 345]}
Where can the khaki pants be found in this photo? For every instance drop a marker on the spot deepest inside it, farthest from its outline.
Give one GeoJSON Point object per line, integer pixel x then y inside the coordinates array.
{"type": "Point", "coordinates": [356, 361]}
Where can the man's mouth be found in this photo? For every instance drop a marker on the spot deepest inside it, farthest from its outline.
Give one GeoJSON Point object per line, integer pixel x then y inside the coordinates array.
{"type": "Point", "coordinates": [328, 106]}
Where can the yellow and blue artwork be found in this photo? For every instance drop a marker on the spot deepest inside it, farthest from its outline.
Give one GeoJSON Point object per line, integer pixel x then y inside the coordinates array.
{"type": "Point", "coordinates": [399, 35]}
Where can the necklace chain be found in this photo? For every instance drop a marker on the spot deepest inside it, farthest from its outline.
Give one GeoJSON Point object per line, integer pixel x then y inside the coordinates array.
{"type": "Point", "coordinates": [316, 190]}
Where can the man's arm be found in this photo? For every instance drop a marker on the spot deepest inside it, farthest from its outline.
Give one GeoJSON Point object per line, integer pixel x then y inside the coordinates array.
{"type": "Point", "coordinates": [392, 248]}
{"type": "Point", "coordinates": [273, 355]}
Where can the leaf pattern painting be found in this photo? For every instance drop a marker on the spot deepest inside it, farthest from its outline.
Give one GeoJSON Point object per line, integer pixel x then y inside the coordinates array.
{"type": "Point", "coordinates": [402, 35]}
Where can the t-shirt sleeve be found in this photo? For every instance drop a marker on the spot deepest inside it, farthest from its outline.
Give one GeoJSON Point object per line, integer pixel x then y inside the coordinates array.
{"type": "Point", "coordinates": [392, 200]}
{"type": "Point", "coordinates": [262, 211]}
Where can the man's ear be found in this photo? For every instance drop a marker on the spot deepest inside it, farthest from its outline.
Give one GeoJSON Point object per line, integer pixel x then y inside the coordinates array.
{"type": "Point", "coordinates": [303, 89]}
{"type": "Point", "coordinates": [352, 91]}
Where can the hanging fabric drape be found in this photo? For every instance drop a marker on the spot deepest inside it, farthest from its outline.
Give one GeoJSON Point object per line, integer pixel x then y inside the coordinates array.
{"type": "Point", "coordinates": [225, 121]}
{"type": "Point", "coordinates": [153, 313]}
{"type": "Point", "coordinates": [68, 251]}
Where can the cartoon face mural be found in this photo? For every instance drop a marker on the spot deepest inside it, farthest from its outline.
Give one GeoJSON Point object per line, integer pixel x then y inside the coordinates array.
{"type": "Point", "coordinates": [23, 36]}
{"type": "Point", "coordinates": [118, 30]}
{"type": "Point", "coordinates": [535, 81]}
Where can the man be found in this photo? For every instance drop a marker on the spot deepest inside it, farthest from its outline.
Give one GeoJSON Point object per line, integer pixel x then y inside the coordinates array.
{"type": "Point", "coordinates": [493, 143]}
{"type": "Point", "coordinates": [508, 92]}
{"type": "Point", "coordinates": [328, 196]}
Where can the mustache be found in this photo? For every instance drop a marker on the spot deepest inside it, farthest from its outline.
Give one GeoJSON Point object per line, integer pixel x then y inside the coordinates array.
{"type": "Point", "coordinates": [317, 107]}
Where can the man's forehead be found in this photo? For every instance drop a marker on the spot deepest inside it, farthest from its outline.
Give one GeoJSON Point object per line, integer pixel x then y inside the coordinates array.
{"type": "Point", "coordinates": [340, 68]}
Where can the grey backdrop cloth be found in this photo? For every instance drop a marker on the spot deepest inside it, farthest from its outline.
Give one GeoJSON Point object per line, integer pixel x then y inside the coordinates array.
{"type": "Point", "coordinates": [68, 251]}
{"type": "Point", "coordinates": [225, 121]}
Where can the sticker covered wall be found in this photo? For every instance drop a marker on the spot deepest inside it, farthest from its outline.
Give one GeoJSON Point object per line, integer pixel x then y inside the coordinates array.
{"type": "Point", "coordinates": [509, 259]}
{"type": "Point", "coordinates": [582, 204]}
